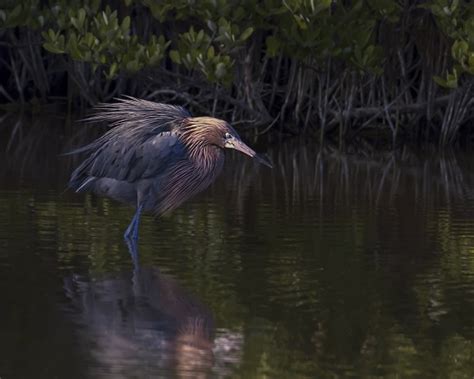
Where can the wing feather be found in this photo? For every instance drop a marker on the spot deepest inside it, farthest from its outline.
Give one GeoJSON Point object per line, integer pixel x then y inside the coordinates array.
{"type": "Point", "coordinates": [143, 142]}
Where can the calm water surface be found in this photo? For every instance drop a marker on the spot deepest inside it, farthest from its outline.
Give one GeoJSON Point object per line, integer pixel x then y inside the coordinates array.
{"type": "Point", "coordinates": [329, 265]}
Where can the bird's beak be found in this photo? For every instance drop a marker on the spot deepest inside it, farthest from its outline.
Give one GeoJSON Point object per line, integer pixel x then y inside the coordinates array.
{"type": "Point", "coordinates": [237, 144]}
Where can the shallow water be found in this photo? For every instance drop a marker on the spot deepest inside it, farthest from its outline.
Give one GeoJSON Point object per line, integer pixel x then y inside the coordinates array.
{"type": "Point", "coordinates": [329, 265]}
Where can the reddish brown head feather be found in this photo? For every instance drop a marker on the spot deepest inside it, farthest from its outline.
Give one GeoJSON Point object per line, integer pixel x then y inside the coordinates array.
{"type": "Point", "coordinates": [204, 131]}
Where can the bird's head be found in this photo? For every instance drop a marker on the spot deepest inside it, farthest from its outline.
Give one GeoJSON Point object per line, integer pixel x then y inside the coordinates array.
{"type": "Point", "coordinates": [212, 131]}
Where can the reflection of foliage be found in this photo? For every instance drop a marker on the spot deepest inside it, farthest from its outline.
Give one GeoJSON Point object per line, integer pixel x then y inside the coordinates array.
{"type": "Point", "coordinates": [329, 66]}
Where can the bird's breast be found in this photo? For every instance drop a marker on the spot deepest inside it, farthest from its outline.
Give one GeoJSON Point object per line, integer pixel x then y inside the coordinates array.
{"type": "Point", "coordinates": [209, 162]}
{"type": "Point", "coordinates": [187, 178]}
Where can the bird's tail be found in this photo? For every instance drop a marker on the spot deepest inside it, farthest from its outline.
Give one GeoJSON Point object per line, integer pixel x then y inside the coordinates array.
{"type": "Point", "coordinates": [84, 185]}
{"type": "Point", "coordinates": [80, 181]}
{"type": "Point", "coordinates": [79, 150]}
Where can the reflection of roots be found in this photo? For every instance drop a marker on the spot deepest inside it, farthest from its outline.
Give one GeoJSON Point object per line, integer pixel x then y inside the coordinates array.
{"type": "Point", "coordinates": [32, 146]}
{"type": "Point", "coordinates": [302, 173]}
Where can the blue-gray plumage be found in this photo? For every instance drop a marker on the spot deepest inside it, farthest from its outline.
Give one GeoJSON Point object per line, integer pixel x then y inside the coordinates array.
{"type": "Point", "coordinates": [156, 156]}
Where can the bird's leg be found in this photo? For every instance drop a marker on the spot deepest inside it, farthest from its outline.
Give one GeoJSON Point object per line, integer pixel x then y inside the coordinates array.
{"type": "Point", "coordinates": [137, 216]}
{"type": "Point", "coordinates": [128, 231]}
{"type": "Point", "coordinates": [133, 249]}
{"type": "Point", "coordinates": [132, 230]}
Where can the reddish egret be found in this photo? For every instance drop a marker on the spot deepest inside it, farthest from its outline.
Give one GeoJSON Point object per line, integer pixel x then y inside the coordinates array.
{"type": "Point", "coordinates": [155, 157]}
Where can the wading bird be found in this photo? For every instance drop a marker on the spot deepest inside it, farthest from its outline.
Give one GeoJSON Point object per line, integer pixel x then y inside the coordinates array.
{"type": "Point", "coordinates": [156, 156]}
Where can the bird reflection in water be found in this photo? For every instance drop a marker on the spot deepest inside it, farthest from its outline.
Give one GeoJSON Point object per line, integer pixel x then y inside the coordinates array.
{"type": "Point", "coordinates": [144, 324]}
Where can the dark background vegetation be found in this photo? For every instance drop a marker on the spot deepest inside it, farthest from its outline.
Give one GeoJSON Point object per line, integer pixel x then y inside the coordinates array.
{"type": "Point", "coordinates": [337, 70]}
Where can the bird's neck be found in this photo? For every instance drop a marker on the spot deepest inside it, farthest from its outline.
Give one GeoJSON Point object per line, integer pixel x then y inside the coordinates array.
{"type": "Point", "coordinates": [206, 156]}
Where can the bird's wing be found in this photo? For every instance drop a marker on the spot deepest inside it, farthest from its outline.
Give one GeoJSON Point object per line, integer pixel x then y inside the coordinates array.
{"type": "Point", "coordinates": [143, 142]}
{"type": "Point", "coordinates": [125, 160]}
{"type": "Point", "coordinates": [134, 118]}
{"type": "Point", "coordinates": [132, 112]}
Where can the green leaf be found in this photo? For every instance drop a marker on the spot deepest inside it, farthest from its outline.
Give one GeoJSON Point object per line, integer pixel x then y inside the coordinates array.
{"type": "Point", "coordinates": [13, 16]}
{"type": "Point", "coordinates": [221, 70]}
{"type": "Point", "coordinates": [300, 21]}
{"type": "Point", "coordinates": [210, 52]}
{"type": "Point", "coordinates": [322, 5]}
{"type": "Point", "coordinates": [200, 36]}
{"type": "Point", "coordinates": [72, 47]}
{"type": "Point", "coordinates": [440, 81]}
{"type": "Point", "coordinates": [175, 57]}
{"type": "Point", "coordinates": [52, 35]}
{"type": "Point", "coordinates": [212, 26]}
{"type": "Point", "coordinates": [113, 70]}
{"type": "Point", "coordinates": [454, 5]}
{"type": "Point", "coordinates": [471, 61]}
{"type": "Point", "coordinates": [273, 45]}
{"type": "Point", "coordinates": [81, 16]}
{"type": "Point", "coordinates": [451, 80]}
{"type": "Point", "coordinates": [132, 65]}
{"type": "Point", "coordinates": [459, 50]}
{"type": "Point", "coordinates": [246, 34]}
{"type": "Point", "coordinates": [52, 48]}
{"type": "Point", "coordinates": [75, 23]}
{"type": "Point", "coordinates": [95, 5]}
{"type": "Point", "coordinates": [105, 18]}
{"type": "Point", "coordinates": [126, 24]}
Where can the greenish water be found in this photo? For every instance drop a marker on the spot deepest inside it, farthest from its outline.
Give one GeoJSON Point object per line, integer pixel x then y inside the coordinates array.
{"type": "Point", "coordinates": [329, 265]}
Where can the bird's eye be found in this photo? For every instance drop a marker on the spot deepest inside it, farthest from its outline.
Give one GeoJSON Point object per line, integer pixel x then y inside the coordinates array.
{"type": "Point", "coordinates": [228, 135]}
